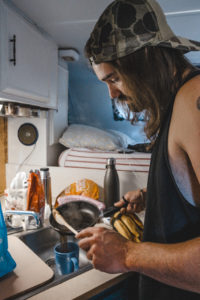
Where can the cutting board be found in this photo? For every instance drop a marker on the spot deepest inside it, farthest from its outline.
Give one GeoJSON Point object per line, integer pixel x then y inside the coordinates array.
{"type": "Point", "coordinates": [30, 272]}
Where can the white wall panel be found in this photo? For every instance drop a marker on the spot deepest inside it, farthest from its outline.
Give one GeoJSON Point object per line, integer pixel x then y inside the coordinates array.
{"type": "Point", "coordinates": [17, 152]}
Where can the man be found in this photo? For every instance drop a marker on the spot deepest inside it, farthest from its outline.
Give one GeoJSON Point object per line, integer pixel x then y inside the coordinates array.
{"type": "Point", "coordinates": [133, 50]}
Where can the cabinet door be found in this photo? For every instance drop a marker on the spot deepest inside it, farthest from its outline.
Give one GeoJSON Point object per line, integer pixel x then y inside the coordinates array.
{"type": "Point", "coordinates": [33, 76]}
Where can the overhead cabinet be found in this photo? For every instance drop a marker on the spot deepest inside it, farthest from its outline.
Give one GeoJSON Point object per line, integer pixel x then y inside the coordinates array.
{"type": "Point", "coordinates": [28, 61]}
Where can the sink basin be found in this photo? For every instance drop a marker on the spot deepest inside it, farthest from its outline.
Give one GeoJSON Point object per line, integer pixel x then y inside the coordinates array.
{"type": "Point", "coordinates": [42, 242]}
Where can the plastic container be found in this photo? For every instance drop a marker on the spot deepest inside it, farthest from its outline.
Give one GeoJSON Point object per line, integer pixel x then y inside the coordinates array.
{"type": "Point", "coordinates": [7, 263]}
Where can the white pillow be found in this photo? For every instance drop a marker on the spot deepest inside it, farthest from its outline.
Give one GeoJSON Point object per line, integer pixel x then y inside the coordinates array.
{"type": "Point", "coordinates": [123, 138]}
{"type": "Point", "coordinates": [83, 136]}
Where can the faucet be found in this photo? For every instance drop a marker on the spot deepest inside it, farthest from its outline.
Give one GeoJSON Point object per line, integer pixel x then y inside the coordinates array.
{"type": "Point", "coordinates": [27, 213]}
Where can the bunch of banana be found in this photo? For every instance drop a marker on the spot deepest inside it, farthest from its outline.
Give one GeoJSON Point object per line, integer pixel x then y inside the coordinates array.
{"type": "Point", "coordinates": [128, 225]}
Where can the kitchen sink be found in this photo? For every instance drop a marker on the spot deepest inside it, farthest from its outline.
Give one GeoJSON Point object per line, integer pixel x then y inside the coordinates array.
{"type": "Point", "coordinates": [42, 242]}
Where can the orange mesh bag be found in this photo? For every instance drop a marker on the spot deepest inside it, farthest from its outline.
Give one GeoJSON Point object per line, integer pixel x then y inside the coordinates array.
{"type": "Point", "coordinates": [83, 187]}
{"type": "Point", "coordinates": [35, 194]}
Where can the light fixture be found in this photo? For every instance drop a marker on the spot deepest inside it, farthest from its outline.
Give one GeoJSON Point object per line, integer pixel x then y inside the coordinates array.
{"type": "Point", "coordinates": [69, 54]}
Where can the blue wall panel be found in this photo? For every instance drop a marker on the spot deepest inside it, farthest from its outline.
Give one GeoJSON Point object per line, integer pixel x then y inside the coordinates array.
{"type": "Point", "coordinates": [90, 104]}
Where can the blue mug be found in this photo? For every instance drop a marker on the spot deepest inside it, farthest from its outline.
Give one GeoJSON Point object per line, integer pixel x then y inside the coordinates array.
{"type": "Point", "coordinates": [67, 257]}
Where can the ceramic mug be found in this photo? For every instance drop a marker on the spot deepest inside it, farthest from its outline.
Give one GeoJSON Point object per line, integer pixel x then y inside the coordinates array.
{"type": "Point", "coordinates": [67, 257]}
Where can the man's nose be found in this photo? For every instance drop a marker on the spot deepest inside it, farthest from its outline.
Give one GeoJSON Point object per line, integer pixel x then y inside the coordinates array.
{"type": "Point", "coordinates": [113, 92]}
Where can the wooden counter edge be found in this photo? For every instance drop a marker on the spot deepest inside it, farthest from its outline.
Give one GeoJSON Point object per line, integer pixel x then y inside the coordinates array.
{"type": "Point", "coordinates": [83, 286]}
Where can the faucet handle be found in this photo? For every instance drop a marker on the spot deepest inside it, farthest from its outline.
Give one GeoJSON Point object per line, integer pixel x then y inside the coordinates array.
{"type": "Point", "coordinates": [26, 223]}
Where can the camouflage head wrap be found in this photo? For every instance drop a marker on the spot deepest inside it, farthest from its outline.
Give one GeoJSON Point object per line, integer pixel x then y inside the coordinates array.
{"type": "Point", "coordinates": [128, 25]}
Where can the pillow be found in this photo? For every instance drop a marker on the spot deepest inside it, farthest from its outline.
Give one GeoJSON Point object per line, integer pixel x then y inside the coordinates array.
{"type": "Point", "coordinates": [83, 136]}
{"type": "Point", "coordinates": [123, 138]}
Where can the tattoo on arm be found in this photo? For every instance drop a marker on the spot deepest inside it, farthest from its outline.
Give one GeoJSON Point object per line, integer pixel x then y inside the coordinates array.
{"type": "Point", "coordinates": [198, 103]}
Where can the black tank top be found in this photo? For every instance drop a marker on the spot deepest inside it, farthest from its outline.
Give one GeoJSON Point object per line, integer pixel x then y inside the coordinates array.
{"type": "Point", "coordinates": [169, 217]}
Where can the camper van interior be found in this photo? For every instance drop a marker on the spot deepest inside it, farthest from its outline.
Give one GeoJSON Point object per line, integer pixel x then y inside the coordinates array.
{"type": "Point", "coordinates": [56, 114]}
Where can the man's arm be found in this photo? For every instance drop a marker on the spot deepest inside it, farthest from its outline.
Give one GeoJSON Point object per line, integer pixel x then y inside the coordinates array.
{"type": "Point", "coordinates": [173, 264]}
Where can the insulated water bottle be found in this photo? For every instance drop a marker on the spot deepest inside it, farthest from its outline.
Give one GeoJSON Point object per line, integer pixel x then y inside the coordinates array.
{"type": "Point", "coordinates": [46, 181]}
{"type": "Point", "coordinates": [111, 183]}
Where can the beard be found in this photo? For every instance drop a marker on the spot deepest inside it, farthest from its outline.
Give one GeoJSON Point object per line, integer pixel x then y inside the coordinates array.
{"type": "Point", "coordinates": [123, 98]}
{"type": "Point", "coordinates": [126, 103]}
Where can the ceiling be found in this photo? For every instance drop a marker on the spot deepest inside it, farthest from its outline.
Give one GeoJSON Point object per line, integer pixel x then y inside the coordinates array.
{"type": "Point", "coordinates": [69, 22]}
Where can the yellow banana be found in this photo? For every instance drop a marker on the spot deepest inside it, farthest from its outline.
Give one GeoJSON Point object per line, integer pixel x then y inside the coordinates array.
{"type": "Point", "coordinates": [139, 224]}
{"type": "Point", "coordinates": [122, 229]}
{"type": "Point", "coordinates": [137, 220]}
{"type": "Point", "coordinates": [117, 215]}
{"type": "Point", "coordinates": [136, 240]}
{"type": "Point", "coordinates": [131, 225]}
{"type": "Point", "coordinates": [128, 225]}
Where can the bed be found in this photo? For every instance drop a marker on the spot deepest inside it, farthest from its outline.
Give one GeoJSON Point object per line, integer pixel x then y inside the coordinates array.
{"type": "Point", "coordinates": [85, 158]}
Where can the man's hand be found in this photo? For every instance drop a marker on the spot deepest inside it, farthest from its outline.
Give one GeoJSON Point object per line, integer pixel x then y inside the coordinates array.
{"type": "Point", "coordinates": [136, 201]}
{"type": "Point", "coordinates": [105, 248]}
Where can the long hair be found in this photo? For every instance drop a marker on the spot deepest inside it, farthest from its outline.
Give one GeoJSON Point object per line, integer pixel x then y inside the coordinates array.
{"type": "Point", "coordinates": [151, 77]}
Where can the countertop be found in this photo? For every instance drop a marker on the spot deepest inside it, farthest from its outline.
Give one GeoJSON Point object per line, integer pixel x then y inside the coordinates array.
{"type": "Point", "coordinates": [81, 287]}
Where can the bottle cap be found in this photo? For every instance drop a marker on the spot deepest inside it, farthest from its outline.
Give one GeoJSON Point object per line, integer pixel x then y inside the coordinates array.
{"type": "Point", "coordinates": [44, 169]}
{"type": "Point", "coordinates": [44, 173]}
{"type": "Point", "coordinates": [111, 161]}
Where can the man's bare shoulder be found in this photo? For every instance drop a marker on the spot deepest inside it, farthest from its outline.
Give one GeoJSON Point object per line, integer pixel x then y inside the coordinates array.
{"type": "Point", "coordinates": [186, 111]}
{"type": "Point", "coordinates": [189, 93]}
{"type": "Point", "coordinates": [185, 121]}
